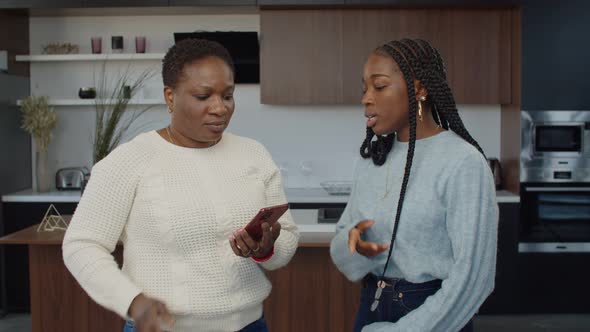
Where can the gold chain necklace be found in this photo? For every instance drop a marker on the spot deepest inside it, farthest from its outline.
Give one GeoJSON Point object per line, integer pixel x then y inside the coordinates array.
{"type": "Point", "coordinates": [170, 136]}
{"type": "Point", "coordinates": [174, 142]}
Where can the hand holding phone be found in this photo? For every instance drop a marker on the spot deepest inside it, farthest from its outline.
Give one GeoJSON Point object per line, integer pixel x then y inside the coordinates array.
{"type": "Point", "coordinates": [269, 215]}
{"type": "Point", "coordinates": [258, 237]}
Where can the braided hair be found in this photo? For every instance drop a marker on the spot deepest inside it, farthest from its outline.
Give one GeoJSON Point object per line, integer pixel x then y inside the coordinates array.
{"type": "Point", "coordinates": [417, 59]}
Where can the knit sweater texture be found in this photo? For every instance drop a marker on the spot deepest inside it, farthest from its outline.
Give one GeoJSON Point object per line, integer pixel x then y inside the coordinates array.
{"type": "Point", "coordinates": [448, 229]}
{"type": "Point", "coordinates": [174, 209]}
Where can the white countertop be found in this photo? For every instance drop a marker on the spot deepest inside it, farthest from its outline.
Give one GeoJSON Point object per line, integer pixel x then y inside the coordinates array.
{"type": "Point", "coordinates": [294, 195]}
{"type": "Point", "coordinates": [503, 196]}
{"type": "Point", "coordinates": [30, 196]}
{"type": "Point", "coordinates": [311, 233]}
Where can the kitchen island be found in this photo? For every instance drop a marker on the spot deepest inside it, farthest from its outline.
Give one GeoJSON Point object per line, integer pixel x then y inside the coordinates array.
{"type": "Point", "coordinates": [309, 294]}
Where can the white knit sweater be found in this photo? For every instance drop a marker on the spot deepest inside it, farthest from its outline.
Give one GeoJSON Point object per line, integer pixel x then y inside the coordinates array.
{"type": "Point", "coordinates": [174, 209]}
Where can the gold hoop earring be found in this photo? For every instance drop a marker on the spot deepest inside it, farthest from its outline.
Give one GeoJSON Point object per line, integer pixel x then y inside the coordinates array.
{"type": "Point", "coordinates": [170, 110]}
{"type": "Point", "coordinates": [420, 112]}
{"type": "Point", "coordinates": [437, 116]}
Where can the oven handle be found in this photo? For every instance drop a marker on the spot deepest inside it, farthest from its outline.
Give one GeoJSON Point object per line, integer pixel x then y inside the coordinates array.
{"type": "Point", "coordinates": [554, 189]}
{"type": "Point", "coordinates": [553, 247]}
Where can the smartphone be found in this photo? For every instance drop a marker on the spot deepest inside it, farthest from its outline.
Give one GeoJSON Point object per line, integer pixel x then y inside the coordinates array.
{"type": "Point", "coordinates": [269, 215]}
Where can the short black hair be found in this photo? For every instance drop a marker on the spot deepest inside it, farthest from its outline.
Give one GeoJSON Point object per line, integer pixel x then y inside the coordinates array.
{"type": "Point", "coordinates": [187, 51]}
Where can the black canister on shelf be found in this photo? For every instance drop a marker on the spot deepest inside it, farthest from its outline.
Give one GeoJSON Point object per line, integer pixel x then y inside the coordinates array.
{"type": "Point", "coordinates": [117, 44]}
{"type": "Point", "coordinates": [87, 93]}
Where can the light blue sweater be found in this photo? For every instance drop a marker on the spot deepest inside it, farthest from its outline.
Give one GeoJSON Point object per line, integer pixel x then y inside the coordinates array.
{"type": "Point", "coordinates": [448, 228]}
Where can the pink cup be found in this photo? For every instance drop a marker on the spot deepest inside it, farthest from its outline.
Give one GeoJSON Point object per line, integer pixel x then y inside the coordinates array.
{"type": "Point", "coordinates": [139, 44]}
{"type": "Point", "coordinates": [96, 45]}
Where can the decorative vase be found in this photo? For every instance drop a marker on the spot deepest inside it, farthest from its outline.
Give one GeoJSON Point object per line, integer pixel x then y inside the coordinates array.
{"type": "Point", "coordinates": [42, 176]}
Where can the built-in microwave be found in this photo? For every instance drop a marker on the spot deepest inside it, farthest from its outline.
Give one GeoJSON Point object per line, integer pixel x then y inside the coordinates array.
{"type": "Point", "coordinates": [555, 146]}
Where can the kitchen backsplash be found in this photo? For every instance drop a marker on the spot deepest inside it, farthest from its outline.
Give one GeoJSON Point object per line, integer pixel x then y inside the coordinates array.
{"type": "Point", "coordinates": [309, 143]}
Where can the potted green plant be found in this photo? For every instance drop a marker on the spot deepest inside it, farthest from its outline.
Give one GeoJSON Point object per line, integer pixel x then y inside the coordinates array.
{"type": "Point", "coordinates": [112, 113]}
{"type": "Point", "coordinates": [38, 119]}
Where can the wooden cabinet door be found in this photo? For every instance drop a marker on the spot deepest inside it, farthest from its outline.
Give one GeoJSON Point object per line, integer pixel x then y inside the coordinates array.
{"type": "Point", "coordinates": [212, 2]}
{"type": "Point", "coordinates": [18, 216]}
{"type": "Point", "coordinates": [301, 57]}
{"type": "Point", "coordinates": [299, 2]}
{"type": "Point", "coordinates": [125, 3]}
{"type": "Point", "coordinates": [475, 45]}
{"type": "Point", "coordinates": [55, 3]}
{"type": "Point", "coordinates": [478, 61]}
{"type": "Point", "coordinates": [364, 30]}
{"type": "Point", "coordinates": [310, 294]}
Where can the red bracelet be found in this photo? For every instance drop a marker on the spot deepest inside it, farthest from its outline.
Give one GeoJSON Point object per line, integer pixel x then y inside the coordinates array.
{"type": "Point", "coordinates": [265, 258]}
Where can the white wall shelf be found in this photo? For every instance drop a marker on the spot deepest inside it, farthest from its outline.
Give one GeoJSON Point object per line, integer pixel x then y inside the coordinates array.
{"type": "Point", "coordinates": [89, 57]}
{"type": "Point", "coordinates": [91, 102]}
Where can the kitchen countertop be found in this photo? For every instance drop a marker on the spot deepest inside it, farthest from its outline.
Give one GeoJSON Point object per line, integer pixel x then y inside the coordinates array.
{"type": "Point", "coordinates": [29, 196]}
{"type": "Point", "coordinates": [294, 195]}
{"type": "Point", "coordinates": [312, 235]}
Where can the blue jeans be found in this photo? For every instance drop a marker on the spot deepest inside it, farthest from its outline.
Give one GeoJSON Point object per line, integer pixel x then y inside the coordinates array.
{"type": "Point", "coordinates": [395, 302]}
{"type": "Point", "coordinates": [256, 326]}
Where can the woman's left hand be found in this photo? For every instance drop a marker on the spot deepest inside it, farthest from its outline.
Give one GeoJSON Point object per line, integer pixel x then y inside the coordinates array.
{"type": "Point", "coordinates": [245, 246]}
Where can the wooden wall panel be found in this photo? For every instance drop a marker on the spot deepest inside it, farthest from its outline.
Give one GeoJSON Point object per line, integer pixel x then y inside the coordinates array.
{"type": "Point", "coordinates": [510, 113]}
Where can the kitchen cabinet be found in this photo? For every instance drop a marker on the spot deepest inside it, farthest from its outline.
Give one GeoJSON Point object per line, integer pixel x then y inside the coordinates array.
{"type": "Point", "coordinates": [40, 3]}
{"type": "Point", "coordinates": [15, 3]}
{"type": "Point", "coordinates": [472, 3]}
{"type": "Point", "coordinates": [299, 2]}
{"type": "Point", "coordinates": [552, 283]}
{"type": "Point", "coordinates": [15, 268]}
{"type": "Point", "coordinates": [55, 3]}
{"type": "Point", "coordinates": [212, 3]}
{"type": "Point", "coordinates": [535, 283]}
{"type": "Point", "coordinates": [303, 65]}
{"type": "Point", "coordinates": [310, 294]}
{"type": "Point", "coordinates": [501, 300]}
{"type": "Point", "coordinates": [555, 55]}
{"type": "Point", "coordinates": [53, 287]}
{"type": "Point", "coordinates": [125, 3]}
{"type": "Point", "coordinates": [326, 54]}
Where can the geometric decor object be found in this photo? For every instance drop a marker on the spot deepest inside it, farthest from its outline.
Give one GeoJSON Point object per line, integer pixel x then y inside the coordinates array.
{"type": "Point", "coordinates": [52, 221]}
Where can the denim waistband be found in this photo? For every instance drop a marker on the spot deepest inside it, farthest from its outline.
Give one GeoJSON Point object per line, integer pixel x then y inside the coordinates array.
{"type": "Point", "coordinates": [401, 285]}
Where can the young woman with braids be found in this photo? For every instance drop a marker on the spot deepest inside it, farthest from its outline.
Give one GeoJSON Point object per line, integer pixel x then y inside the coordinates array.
{"type": "Point", "coordinates": [420, 226]}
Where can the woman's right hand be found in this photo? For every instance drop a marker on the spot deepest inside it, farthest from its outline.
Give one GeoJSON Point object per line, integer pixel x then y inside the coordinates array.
{"type": "Point", "coordinates": [149, 315]}
{"type": "Point", "coordinates": [365, 248]}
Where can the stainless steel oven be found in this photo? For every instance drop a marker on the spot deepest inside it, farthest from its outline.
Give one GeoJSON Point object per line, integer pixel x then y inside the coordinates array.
{"type": "Point", "coordinates": [555, 218]}
{"type": "Point", "coordinates": [555, 181]}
